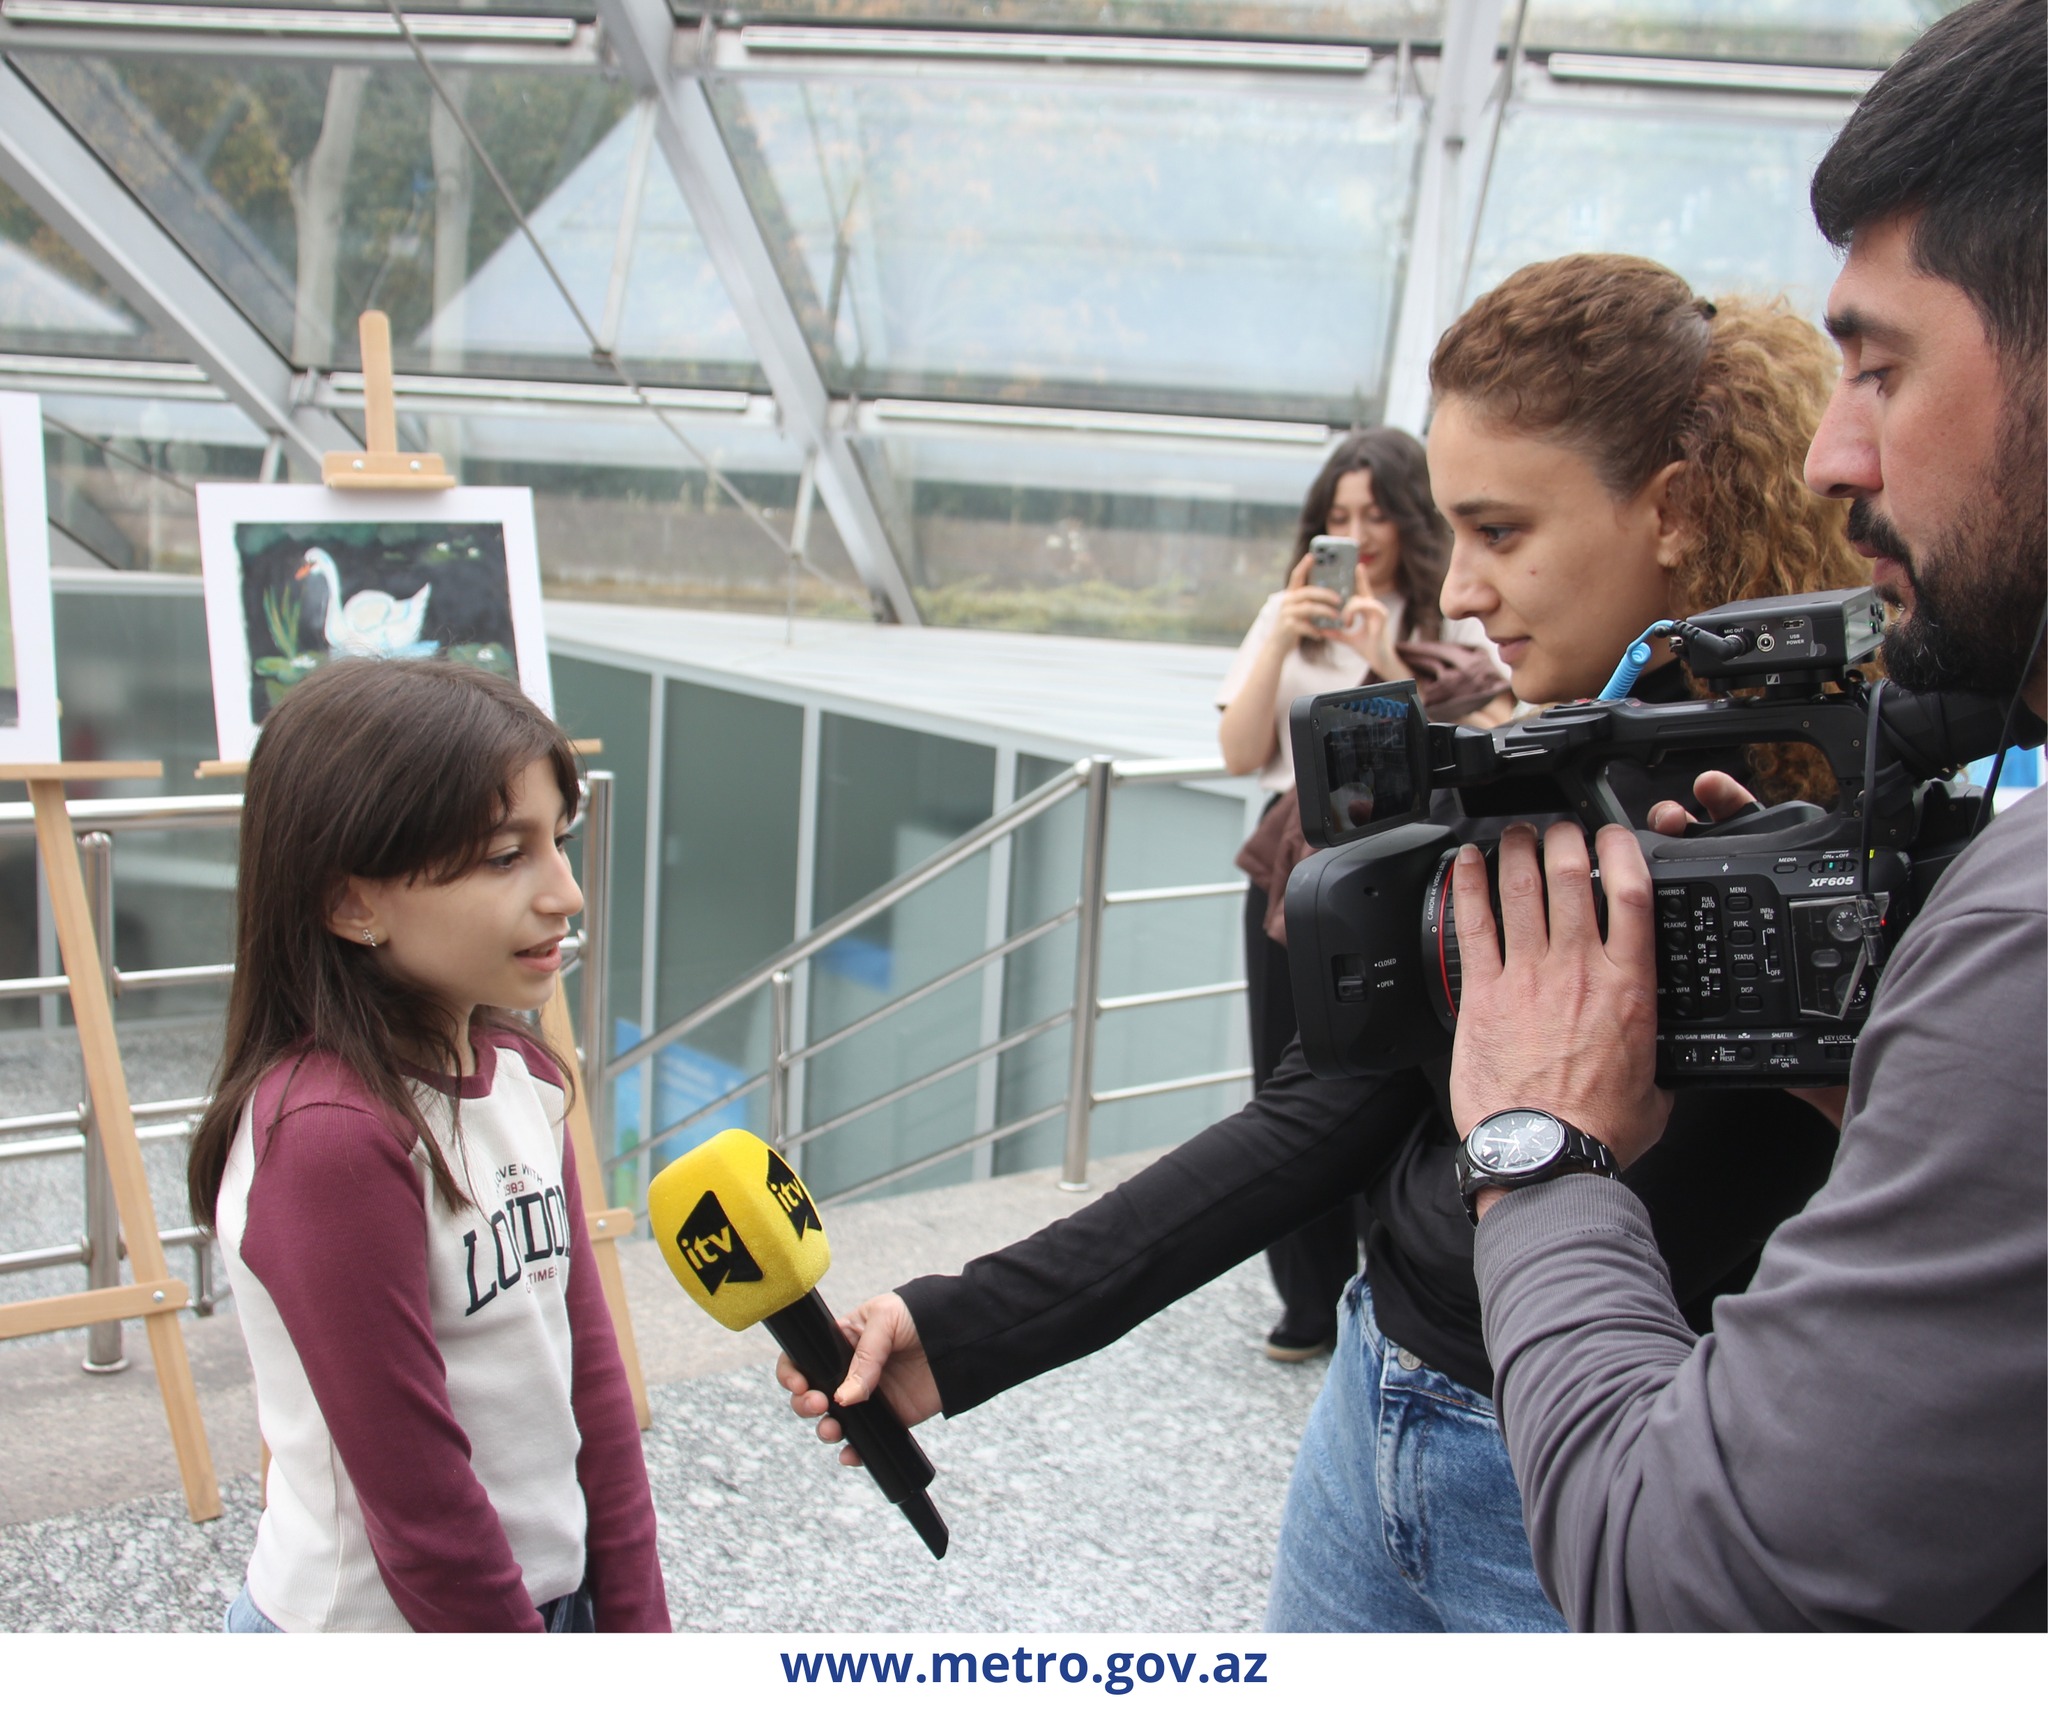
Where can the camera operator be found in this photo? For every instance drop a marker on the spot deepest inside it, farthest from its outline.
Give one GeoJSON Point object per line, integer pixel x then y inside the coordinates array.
{"type": "Point", "coordinates": [1581, 402]}
{"type": "Point", "coordinates": [1862, 1440]}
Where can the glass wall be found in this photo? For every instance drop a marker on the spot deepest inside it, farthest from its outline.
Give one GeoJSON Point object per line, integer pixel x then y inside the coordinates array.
{"type": "Point", "coordinates": [1813, 32]}
{"type": "Point", "coordinates": [945, 240]}
{"type": "Point", "coordinates": [133, 683]}
{"type": "Point", "coordinates": [889, 798]}
{"type": "Point", "coordinates": [311, 192]}
{"type": "Point", "coordinates": [1032, 534]}
{"type": "Point", "coordinates": [727, 895]}
{"type": "Point", "coordinates": [1709, 193]}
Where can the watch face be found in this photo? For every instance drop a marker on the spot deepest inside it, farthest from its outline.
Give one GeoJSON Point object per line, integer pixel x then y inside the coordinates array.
{"type": "Point", "coordinates": [1513, 1143]}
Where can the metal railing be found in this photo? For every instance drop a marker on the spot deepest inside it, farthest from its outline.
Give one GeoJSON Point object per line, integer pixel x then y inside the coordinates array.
{"type": "Point", "coordinates": [1096, 778]}
{"type": "Point", "coordinates": [74, 1132]}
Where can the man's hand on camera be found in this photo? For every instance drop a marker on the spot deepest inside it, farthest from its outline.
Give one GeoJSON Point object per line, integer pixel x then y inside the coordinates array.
{"type": "Point", "coordinates": [1721, 797]}
{"type": "Point", "coordinates": [1551, 1016]}
{"type": "Point", "coordinates": [886, 1351]}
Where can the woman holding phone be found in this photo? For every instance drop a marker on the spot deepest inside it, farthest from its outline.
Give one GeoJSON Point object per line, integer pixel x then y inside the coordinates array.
{"type": "Point", "coordinates": [1311, 637]}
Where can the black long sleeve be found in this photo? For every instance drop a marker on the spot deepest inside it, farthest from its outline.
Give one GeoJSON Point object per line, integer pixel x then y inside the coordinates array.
{"type": "Point", "coordinates": [1298, 1148]}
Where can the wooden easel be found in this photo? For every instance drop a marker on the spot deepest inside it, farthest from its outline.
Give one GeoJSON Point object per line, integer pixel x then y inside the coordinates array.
{"type": "Point", "coordinates": [381, 466]}
{"type": "Point", "coordinates": [155, 1295]}
{"type": "Point", "coordinates": [606, 1227]}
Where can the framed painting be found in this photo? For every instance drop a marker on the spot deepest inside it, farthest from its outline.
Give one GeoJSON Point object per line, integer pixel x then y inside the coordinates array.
{"type": "Point", "coordinates": [28, 655]}
{"type": "Point", "coordinates": [297, 575]}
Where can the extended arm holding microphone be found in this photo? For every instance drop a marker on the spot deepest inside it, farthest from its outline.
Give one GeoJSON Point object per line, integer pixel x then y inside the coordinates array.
{"type": "Point", "coordinates": [741, 1233]}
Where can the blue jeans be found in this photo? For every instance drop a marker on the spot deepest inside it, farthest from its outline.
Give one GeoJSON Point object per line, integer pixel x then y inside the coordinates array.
{"type": "Point", "coordinates": [1402, 1515]}
{"type": "Point", "coordinates": [244, 1617]}
{"type": "Point", "coordinates": [573, 1614]}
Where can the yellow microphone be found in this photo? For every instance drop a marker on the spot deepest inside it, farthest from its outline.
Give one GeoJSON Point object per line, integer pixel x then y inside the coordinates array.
{"type": "Point", "coordinates": [741, 1233]}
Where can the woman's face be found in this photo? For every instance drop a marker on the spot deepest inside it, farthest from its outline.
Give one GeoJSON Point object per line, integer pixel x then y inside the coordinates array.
{"type": "Point", "coordinates": [1355, 513]}
{"type": "Point", "coordinates": [1563, 577]}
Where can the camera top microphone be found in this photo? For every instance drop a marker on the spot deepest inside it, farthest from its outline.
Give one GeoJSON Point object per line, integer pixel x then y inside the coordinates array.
{"type": "Point", "coordinates": [740, 1231]}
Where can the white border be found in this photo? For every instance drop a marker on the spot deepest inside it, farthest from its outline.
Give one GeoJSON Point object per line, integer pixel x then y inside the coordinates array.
{"type": "Point", "coordinates": [223, 506]}
{"type": "Point", "coordinates": [33, 739]}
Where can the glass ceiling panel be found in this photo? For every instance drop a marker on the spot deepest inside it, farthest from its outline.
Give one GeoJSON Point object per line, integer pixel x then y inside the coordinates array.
{"type": "Point", "coordinates": [1286, 20]}
{"type": "Point", "coordinates": [51, 300]}
{"type": "Point", "coordinates": [1057, 245]}
{"type": "Point", "coordinates": [1808, 32]}
{"type": "Point", "coordinates": [312, 193]}
{"type": "Point", "coordinates": [1723, 200]}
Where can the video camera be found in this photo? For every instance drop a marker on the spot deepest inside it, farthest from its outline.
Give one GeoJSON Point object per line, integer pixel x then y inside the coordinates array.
{"type": "Point", "coordinates": [1771, 928]}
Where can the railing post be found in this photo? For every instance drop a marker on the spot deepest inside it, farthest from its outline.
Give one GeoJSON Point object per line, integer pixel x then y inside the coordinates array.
{"type": "Point", "coordinates": [595, 1025]}
{"type": "Point", "coordinates": [1087, 976]}
{"type": "Point", "coordinates": [779, 988]}
{"type": "Point", "coordinates": [102, 1218]}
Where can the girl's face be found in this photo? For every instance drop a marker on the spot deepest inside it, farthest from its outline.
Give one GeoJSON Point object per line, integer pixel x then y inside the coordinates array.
{"type": "Point", "coordinates": [1563, 577]}
{"type": "Point", "coordinates": [1356, 513]}
{"type": "Point", "coordinates": [492, 937]}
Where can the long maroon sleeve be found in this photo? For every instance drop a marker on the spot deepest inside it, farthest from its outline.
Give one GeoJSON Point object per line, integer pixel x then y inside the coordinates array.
{"type": "Point", "coordinates": [620, 1560]}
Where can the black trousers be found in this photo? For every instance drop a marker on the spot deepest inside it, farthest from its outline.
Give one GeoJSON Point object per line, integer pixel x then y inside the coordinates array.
{"type": "Point", "coordinates": [1312, 1265]}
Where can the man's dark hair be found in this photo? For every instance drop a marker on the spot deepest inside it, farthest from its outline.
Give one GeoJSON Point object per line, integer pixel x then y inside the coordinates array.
{"type": "Point", "coordinates": [1957, 133]}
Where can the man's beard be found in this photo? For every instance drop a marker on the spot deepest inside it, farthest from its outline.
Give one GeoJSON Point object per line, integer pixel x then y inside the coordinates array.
{"type": "Point", "coordinates": [1978, 588]}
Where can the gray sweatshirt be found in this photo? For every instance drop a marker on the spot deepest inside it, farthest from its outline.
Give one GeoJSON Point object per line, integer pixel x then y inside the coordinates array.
{"type": "Point", "coordinates": [1863, 1440]}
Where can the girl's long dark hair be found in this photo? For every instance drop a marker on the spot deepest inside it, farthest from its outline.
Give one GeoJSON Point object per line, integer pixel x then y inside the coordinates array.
{"type": "Point", "coordinates": [1400, 486]}
{"type": "Point", "coordinates": [374, 769]}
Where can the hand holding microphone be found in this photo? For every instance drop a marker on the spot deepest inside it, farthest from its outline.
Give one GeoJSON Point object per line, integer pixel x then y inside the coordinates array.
{"type": "Point", "coordinates": [887, 1355]}
{"type": "Point", "coordinates": [742, 1235]}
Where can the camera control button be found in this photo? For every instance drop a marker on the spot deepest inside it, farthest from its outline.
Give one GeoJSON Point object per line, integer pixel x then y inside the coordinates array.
{"type": "Point", "coordinates": [1738, 900]}
{"type": "Point", "coordinates": [1741, 935]}
{"type": "Point", "coordinates": [1785, 866]}
{"type": "Point", "coordinates": [1825, 959]}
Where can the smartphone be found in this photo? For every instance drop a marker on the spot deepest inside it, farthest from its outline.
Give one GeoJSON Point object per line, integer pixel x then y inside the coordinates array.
{"type": "Point", "coordinates": [1334, 566]}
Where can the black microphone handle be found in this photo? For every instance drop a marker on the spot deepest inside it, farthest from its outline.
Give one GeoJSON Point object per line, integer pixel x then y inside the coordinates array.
{"type": "Point", "coordinates": [811, 1336]}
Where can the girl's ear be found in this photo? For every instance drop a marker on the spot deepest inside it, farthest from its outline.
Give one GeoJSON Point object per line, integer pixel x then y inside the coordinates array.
{"type": "Point", "coordinates": [353, 916]}
{"type": "Point", "coordinates": [1674, 532]}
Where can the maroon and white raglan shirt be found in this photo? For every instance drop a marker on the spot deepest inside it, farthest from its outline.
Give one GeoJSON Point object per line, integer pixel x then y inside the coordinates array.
{"type": "Point", "coordinates": [452, 1439]}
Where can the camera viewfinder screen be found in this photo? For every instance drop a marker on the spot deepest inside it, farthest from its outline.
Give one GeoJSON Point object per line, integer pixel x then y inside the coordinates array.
{"type": "Point", "coordinates": [1369, 761]}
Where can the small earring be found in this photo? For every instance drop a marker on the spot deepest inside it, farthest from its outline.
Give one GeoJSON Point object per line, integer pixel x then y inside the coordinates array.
{"type": "Point", "coordinates": [370, 936]}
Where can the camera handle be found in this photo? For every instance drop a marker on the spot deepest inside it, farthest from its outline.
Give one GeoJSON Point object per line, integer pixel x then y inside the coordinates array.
{"type": "Point", "coordinates": [1756, 819]}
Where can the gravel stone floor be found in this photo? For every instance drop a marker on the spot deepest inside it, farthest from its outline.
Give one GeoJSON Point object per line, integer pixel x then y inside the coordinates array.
{"type": "Point", "coordinates": [1138, 1490]}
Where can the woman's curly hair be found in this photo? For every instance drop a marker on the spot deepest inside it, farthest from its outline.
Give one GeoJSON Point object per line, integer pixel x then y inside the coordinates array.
{"type": "Point", "coordinates": [1617, 359]}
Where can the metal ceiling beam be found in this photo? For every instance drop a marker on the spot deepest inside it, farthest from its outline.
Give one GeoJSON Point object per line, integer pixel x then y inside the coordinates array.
{"type": "Point", "coordinates": [1464, 76]}
{"type": "Point", "coordinates": [641, 35]}
{"type": "Point", "coordinates": [72, 189]}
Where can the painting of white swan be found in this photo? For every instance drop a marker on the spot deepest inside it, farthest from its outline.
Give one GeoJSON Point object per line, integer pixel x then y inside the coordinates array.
{"type": "Point", "coordinates": [299, 576]}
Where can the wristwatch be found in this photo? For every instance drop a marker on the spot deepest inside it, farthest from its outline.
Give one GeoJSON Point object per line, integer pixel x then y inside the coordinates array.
{"type": "Point", "coordinates": [1518, 1147]}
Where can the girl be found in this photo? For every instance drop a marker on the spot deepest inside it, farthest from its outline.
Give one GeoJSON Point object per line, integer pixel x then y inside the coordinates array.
{"type": "Point", "coordinates": [1611, 450]}
{"type": "Point", "coordinates": [452, 1442]}
{"type": "Point", "coordinates": [1374, 489]}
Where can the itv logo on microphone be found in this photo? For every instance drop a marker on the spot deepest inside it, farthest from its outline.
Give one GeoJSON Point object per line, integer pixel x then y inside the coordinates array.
{"type": "Point", "coordinates": [712, 1246]}
{"type": "Point", "coordinates": [790, 1192]}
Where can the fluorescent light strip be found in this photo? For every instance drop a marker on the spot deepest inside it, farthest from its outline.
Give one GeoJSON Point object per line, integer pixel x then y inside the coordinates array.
{"type": "Point", "coordinates": [1711, 74]}
{"type": "Point", "coordinates": [286, 21]}
{"type": "Point", "coordinates": [137, 376]}
{"type": "Point", "coordinates": [933, 413]}
{"type": "Point", "coordinates": [344, 388]}
{"type": "Point", "coordinates": [1073, 50]}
